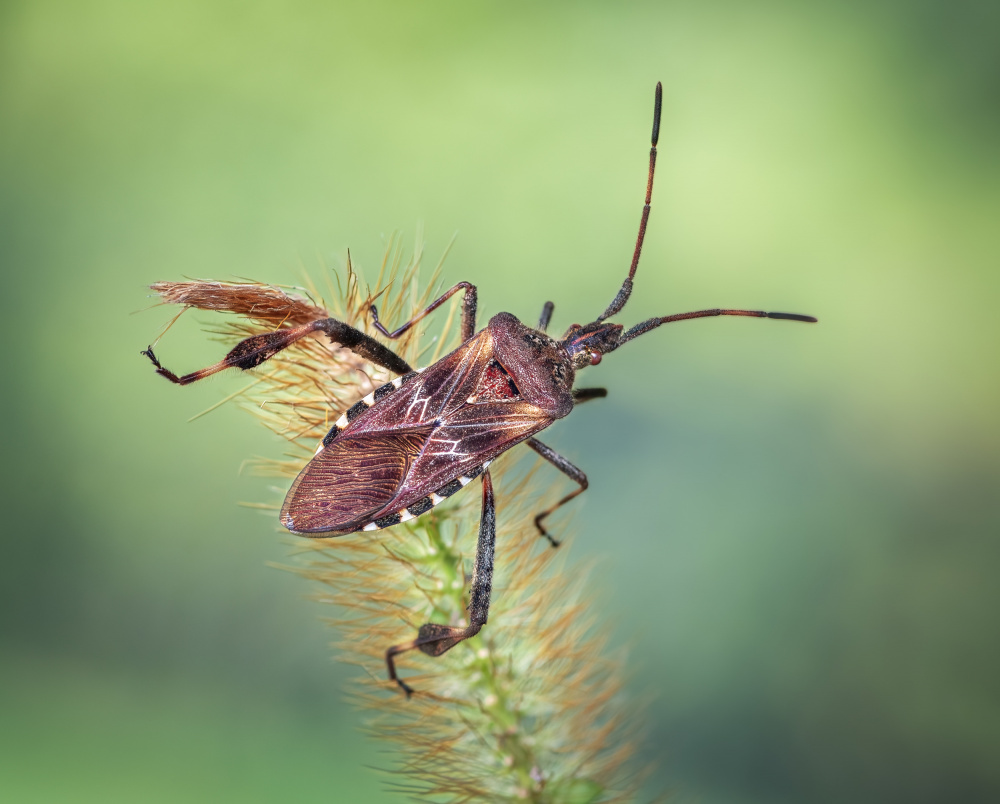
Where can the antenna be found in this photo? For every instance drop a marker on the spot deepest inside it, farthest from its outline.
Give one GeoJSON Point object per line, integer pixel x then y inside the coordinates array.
{"type": "Point", "coordinates": [626, 290]}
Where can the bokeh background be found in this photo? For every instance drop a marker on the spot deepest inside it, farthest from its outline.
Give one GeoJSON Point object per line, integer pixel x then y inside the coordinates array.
{"type": "Point", "coordinates": [797, 526]}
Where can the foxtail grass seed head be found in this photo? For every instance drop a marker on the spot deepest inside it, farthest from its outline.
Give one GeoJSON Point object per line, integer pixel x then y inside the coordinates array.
{"type": "Point", "coordinates": [530, 709]}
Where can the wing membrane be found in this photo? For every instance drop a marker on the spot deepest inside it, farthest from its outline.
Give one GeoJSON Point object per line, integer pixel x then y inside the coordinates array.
{"type": "Point", "coordinates": [351, 479]}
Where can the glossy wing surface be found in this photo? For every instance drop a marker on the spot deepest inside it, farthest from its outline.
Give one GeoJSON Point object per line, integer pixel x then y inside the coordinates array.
{"type": "Point", "coordinates": [419, 438]}
{"type": "Point", "coordinates": [471, 435]}
{"type": "Point", "coordinates": [430, 397]}
{"type": "Point", "coordinates": [350, 479]}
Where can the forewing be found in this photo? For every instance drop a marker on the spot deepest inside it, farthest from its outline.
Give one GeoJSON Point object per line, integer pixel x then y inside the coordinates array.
{"type": "Point", "coordinates": [484, 431]}
{"type": "Point", "coordinates": [351, 479]}
{"type": "Point", "coordinates": [469, 437]}
{"type": "Point", "coordinates": [433, 395]}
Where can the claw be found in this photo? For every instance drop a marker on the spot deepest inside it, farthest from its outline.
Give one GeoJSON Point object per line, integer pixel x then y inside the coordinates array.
{"type": "Point", "coordinates": [542, 532]}
{"type": "Point", "coordinates": [148, 352]}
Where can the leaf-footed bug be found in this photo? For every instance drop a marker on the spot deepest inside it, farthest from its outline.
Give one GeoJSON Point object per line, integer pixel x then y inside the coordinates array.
{"type": "Point", "coordinates": [415, 441]}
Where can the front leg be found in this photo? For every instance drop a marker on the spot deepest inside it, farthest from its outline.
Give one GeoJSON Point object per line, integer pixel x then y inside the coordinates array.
{"type": "Point", "coordinates": [435, 639]}
{"type": "Point", "coordinates": [546, 316]}
{"type": "Point", "coordinates": [581, 395]}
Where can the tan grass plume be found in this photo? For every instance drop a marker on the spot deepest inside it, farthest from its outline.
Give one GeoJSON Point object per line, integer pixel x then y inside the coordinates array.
{"type": "Point", "coordinates": [531, 709]}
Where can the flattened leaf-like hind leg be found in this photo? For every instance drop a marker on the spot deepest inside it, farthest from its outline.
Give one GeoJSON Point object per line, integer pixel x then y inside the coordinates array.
{"type": "Point", "coordinates": [469, 304]}
{"type": "Point", "coordinates": [251, 352]}
{"type": "Point", "coordinates": [564, 466]}
{"type": "Point", "coordinates": [435, 639]}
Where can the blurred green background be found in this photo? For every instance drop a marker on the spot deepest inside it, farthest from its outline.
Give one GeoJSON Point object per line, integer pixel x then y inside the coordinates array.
{"type": "Point", "coordinates": [798, 525]}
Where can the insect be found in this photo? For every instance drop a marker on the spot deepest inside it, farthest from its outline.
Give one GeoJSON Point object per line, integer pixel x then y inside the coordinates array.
{"type": "Point", "coordinates": [417, 440]}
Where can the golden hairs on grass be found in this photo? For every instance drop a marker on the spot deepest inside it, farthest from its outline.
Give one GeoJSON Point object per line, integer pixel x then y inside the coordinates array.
{"type": "Point", "coordinates": [528, 710]}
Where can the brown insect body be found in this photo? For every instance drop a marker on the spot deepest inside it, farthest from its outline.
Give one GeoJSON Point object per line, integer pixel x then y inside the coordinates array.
{"type": "Point", "coordinates": [418, 439]}
{"type": "Point", "coordinates": [443, 423]}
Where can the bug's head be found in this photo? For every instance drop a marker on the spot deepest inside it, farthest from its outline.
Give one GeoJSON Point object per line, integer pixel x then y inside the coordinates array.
{"type": "Point", "coordinates": [587, 344]}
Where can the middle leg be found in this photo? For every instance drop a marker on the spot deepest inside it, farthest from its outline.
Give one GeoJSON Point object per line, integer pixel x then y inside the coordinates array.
{"type": "Point", "coordinates": [469, 303]}
{"type": "Point", "coordinates": [434, 638]}
{"type": "Point", "coordinates": [564, 466]}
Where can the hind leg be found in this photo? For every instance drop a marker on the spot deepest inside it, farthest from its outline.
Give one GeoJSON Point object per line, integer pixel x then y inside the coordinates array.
{"type": "Point", "coordinates": [251, 352]}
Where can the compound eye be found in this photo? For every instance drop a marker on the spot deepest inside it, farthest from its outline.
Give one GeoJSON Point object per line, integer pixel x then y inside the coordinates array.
{"type": "Point", "coordinates": [595, 358]}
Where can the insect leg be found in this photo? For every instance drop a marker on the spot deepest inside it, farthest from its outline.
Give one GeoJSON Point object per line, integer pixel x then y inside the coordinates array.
{"type": "Point", "coordinates": [468, 312]}
{"type": "Point", "coordinates": [560, 463]}
{"type": "Point", "coordinates": [545, 317]}
{"type": "Point", "coordinates": [653, 323]}
{"type": "Point", "coordinates": [251, 352]}
{"type": "Point", "coordinates": [626, 289]}
{"type": "Point", "coordinates": [581, 395]}
{"type": "Point", "coordinates": [434, 639]}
